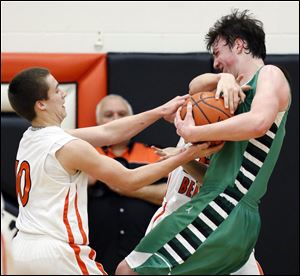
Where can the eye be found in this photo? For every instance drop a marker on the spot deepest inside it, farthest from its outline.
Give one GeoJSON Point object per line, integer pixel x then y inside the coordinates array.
{"type": "Point", "coordinates": [122, 114]}
{"type": "Point", "coordinates": [108, 114]}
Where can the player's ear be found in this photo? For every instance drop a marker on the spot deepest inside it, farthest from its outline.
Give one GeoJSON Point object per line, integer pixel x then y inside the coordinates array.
{"type": "Point", "coordinates": [240, 45]}
{"type": "Point", "coordinates": [41, 105]}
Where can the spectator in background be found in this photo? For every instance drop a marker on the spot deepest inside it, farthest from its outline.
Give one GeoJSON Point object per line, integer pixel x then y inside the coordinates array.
{"type": "Point", "coordinates": [121, 217]}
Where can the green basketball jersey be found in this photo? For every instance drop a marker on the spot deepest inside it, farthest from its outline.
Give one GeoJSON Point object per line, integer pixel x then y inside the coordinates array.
{"type": "Point", "coordinates": [216, 231]}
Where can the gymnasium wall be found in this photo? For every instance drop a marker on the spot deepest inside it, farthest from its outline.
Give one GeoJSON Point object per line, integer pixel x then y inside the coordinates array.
{"type": "Point", "coordinates": [144, 36]}
{"type": "Point", "coordinates": [135, 26]}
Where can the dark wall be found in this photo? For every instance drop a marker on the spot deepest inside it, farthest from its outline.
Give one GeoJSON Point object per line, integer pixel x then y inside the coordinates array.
{"type": "Point", "coordinates": [148, 80]}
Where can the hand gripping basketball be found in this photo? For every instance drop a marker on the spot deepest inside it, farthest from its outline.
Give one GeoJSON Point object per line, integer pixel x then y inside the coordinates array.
{"type": "Point", "coordinates": [206, 109]}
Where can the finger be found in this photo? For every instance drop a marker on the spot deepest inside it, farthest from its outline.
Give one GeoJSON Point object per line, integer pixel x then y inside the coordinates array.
{"type": "Point", "coordinates": [186, 96]}
{"type": "Point", "coordinates": [178, 116]}
{"type": "Point", "coordinates": [242, 95]}
{"type": "Point", "coordinates": [226, 99]}
{"type": "Point", "coordinates": [239, 78]}
{"type": "Point", "coordinates": [155, 148]}
{"type": "Point", "coordinates": [216, 148]}
{"type": "Point", "coordinates": [189, 111]}
{"type": "Point", "coordinates": [231, 104]}
{"type": "Point", "coordinates": [218, 93]}
{"type": "Point", "coordinates": [246, 87]}
{"type": "Point", "coordinates": [236, 100]}
{"type": "Point", "coordinates": [204, 145]}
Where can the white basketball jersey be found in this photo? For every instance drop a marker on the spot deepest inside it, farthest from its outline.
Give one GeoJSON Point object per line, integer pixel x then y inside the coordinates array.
{"type": "Point", "coordinates": [181, 188]}
{"type": "Point", "coordinates": [48, 206]}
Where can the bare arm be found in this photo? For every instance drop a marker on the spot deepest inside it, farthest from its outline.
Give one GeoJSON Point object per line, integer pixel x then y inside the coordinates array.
{"type": "Point", "coordinates": [193, 167]}
{"type": "Point", "coordinates": [152, 193]}
{"type": "Point", "coordinates": [272, 96]}
{"type": "Point", "coordinates": [204, 82]}
{"type": "Point", "coordinates": [223, 83]}
{"type": "Point", "coordinates": [196, 170]}
{"type": "Point", "coordinates": [125, 128]}
{"type": "Point", "coordinates": [80, 155]}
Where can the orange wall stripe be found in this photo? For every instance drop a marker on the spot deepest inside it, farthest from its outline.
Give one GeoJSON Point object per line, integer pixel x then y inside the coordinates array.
{"type": "Point", "coordinates": [87, 70]}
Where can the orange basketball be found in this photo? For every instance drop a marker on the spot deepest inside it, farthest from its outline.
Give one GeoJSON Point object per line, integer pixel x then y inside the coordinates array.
{"type": "Point", "coordinates": [206, 109]}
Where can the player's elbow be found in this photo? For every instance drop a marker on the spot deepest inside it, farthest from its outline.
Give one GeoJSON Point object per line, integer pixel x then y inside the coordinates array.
{"type": "Point", "coordinates": [193, 87]}
{"type": "Point", "coordinates": [260, 127]}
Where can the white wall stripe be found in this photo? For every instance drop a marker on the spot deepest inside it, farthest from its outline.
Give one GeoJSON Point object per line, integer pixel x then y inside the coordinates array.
{"type": "Point", "coordinates": [218, 209]}
{"type": "Point", "coordinates": [252, 159]}
{"type": "Point", "coordinates": [259, 145]}
{"type": "Point", "coordinates": [185, 243]}
{"type": "Point", "coordinates": [173, 253]}
{"type": "Point", "coordinates": [247, 173]}
{"type": "Point", "coordinates": [229, 198]}
{"type": "Point", "coordinates": [240, 187]}
{"type": "Point", "coordinates": [197, 232]}
{"type": "Point", "coordinates": [207, 221]}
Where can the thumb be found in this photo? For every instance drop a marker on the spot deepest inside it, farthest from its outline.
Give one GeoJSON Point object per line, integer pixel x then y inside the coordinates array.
{"type": "Point", "coordinates": [246, 87]}
{"type": "Point", "coordinates": [239, 78]}
{"type": "Point", "coordinates": [189, 109]}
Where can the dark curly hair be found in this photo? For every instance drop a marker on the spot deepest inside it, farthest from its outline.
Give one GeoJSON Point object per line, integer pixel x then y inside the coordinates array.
{"type": "Point", "coordinates": [239, 25]}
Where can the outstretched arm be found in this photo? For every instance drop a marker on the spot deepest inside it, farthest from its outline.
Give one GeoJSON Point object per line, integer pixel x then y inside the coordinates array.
{"type": "Point", "coordinates": [80, 155]}
{"type": "Point", "coordinates": [152, 193]}
{"type": "Point", "coordinates": [125, 128]}
{"type": "Point", "coordinates": [193, 167]}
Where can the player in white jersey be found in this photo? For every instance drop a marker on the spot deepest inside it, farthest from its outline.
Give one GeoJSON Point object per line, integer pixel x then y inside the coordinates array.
{"type": "Point", "coordinates": [51, 175]}
{"type": "Point", "coordinates": [182, 186]}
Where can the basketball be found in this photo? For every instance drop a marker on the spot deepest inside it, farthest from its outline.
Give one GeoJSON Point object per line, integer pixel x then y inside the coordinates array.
{"type": "Point", "coordinates": [206, 109]}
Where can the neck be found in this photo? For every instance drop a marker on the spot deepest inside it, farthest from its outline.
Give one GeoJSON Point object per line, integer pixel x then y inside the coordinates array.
{"type": "Point", "coordinates": [250, 69]}
{"type": "Point", "coordinates": [40, 123]}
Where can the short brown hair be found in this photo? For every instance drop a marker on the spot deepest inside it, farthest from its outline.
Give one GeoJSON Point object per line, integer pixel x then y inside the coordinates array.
{"type": "Point", "coordinates": [27, 87]}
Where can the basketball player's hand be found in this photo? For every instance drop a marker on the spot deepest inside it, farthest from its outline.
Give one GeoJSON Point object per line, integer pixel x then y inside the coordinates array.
{"type": "Point", "coordinates": [167, 152]}
{"type": "Point", "coordinates": [169, 109]}
{"type": "Point", "coordinates": [232, 92]}
{"type": "Point", "coordinates": [184, 126]}
{"type": "Point", "coordinates": [203, 149]}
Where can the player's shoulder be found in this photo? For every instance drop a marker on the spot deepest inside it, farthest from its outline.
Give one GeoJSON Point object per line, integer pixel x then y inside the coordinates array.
{"type": "Point", "coordinates": [271, 70]}
{"type": "Point", "coordinates": [77, 144]}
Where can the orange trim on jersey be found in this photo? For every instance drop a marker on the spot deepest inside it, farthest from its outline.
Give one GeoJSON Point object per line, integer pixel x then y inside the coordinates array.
{"type": "Point", "coordinates": [27, 185]}
{"type": "Point", "coordinates": [161, 213]}
{"type": "Point", "coordinates": [100, 266]}
{"type": "Point", "coordinates": [261, 272]}
{"type": "Point", "coordinates": [3, 256]}
{"type": "Point", "coordinates": [83, 234]}
{"type": "Point", "coordinates": [74, 246]}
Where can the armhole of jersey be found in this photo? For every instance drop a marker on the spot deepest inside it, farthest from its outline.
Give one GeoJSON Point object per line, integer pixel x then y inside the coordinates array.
{"type": "Point", "coordinates": [57, 145]}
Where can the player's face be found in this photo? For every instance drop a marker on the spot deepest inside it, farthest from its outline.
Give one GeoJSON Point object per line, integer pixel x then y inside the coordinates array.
{"type": "Point", "coordinates": [113, 109]}
{"type": "Point", "coordinates": [56, 100]}
{"type": "Point", "coordinates": [224, 58]}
